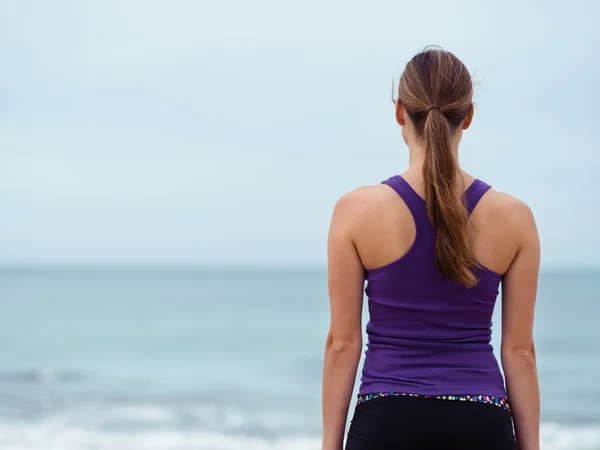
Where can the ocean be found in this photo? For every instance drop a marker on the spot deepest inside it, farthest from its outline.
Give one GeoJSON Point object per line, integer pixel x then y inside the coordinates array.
{"type": "Point", "coordinates": [225, 359]}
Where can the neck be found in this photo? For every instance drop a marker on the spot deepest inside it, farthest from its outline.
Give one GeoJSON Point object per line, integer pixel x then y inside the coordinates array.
{"type": "Point", "coordinates": [416, 156]}
{"type": "Point", "coordinates": [416, 153]}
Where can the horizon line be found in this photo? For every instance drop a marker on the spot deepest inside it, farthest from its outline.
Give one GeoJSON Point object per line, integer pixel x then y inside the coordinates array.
{"type": "Point", "coordinates": [221, 267]}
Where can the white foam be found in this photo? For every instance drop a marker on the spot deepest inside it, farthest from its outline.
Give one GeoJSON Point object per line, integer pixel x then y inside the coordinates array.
{"type": "Point", "coordinates": [233, 419]}
{"type": "Point", "coordinates": [57, 436]}
{"type": "Point", "coordinates": [570, 437]}
{"type": "Point", "coordinates": [203, 416]}
{"type": "Point", "coordinates": [64, 433]}
{"type": "Point", "coordinates": [142, 413]}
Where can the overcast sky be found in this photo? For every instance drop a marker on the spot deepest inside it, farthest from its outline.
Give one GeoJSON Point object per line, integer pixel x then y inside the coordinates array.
{"type": "Point", "coordinates": [186, 132]}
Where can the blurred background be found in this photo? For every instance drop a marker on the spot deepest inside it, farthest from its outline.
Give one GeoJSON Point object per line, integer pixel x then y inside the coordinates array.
{"type": "Point", "coordinates": [167, 176]}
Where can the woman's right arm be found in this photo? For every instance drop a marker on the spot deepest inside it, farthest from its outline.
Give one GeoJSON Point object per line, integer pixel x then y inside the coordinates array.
{"type": "Point", "coordinates": [519, 290]}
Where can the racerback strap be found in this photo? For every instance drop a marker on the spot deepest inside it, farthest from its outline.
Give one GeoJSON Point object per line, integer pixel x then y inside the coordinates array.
{"type": "Point", "coordinates": [415, 203]}
{"type": "Point", "coordinates": [474, 194]}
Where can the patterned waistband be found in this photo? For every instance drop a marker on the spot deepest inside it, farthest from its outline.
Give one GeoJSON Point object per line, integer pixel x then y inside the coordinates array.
{"type": "Point", "coordinates": [501, 402]}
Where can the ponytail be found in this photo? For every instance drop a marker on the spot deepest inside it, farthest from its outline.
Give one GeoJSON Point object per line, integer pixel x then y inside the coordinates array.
{"type": "Point", "coordinates": [445, 206]}
{"type": "Point", "coordinates": [436, 92]}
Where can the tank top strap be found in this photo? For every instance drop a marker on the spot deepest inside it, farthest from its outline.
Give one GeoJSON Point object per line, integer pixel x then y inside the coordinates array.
{"type": "Point", "coordinates": [474, 193]}
{"type": "Point", "coordinates": [416, 204]}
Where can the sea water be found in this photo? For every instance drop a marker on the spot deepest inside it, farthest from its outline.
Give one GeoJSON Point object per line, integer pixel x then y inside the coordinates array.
{"type": "Point", "coordinates": [225, 359]}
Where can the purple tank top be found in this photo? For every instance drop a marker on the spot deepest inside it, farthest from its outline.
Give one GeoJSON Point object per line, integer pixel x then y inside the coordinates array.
{"type": "Point", "coordinates": [426, 334]}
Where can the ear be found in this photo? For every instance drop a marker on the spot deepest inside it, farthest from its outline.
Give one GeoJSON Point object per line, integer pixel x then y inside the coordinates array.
{"type": "Point", "coordinates": [469, 117]}
{"type": "Point", "coordinates": [400, 113]}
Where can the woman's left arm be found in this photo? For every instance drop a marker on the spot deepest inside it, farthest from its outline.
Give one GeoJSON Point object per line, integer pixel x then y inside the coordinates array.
{"type": "Point", "coordinates": [344, 340]}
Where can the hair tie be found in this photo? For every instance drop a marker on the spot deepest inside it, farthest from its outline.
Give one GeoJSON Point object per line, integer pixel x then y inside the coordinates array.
{"type": "Point", "coordinates": [434, 107]}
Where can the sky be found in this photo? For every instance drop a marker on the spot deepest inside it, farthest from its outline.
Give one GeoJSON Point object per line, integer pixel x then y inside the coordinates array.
{"type": "Point", "coordinates": [222, 133]}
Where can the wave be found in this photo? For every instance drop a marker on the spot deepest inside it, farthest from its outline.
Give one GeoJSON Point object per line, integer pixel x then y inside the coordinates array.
{"type": "Point", "coordinates": [40, 376]}
{"type": "Point", "coordinates": [184, 418]}
{"type": "Point", "coordinates": [56, 435]}
{"type": "Point", "coordinates": [175, 426]}
{"type": "Point", "coordinates": [570, 437]}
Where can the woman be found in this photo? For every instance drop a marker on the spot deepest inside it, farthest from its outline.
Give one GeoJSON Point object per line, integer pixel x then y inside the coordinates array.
{"type": "Point", "coordinates": [434, 244]}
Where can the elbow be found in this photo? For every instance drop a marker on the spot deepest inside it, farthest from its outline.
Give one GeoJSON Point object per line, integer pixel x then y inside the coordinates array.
{"type": "Point", "coordinates": [339, 346]}
{"type": "Point", "coordinates": [525, 356]}
{"type": "Point", "coordinates": [344, 346]}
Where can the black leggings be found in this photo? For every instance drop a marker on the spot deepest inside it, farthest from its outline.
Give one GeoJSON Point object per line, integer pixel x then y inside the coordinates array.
{"type": "Point", "coordinates": [413, 423]}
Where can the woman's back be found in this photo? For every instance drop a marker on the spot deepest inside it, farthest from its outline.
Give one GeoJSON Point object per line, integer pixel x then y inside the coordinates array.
{"type": "Point", "coordinates": [433, 337]}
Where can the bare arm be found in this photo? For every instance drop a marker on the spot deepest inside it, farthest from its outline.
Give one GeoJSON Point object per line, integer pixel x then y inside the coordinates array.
{"type": "Point", "coordinates": [519, 289]}
{"type": "Point", "coordinates": [344, 340]}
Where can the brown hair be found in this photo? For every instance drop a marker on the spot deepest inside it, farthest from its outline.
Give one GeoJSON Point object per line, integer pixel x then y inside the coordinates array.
{"type": "Point", "coordinates": [436, 92]}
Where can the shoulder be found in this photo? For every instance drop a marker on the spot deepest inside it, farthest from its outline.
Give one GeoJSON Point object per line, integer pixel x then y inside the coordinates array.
{"type": "Point", "coordinates": [508, 205]}
{"type": "Point", "coordinates": [363, 199]}
{"type": "Point", "coordinates": [513, 212]}
{"type": "Point", "coordinates": [357, 209]}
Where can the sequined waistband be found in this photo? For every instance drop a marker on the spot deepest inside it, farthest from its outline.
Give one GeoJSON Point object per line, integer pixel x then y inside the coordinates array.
{"type": "Point", "coordinates": [501, 402]}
